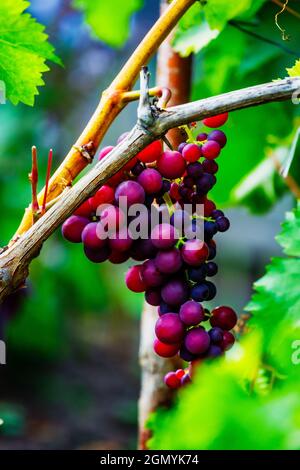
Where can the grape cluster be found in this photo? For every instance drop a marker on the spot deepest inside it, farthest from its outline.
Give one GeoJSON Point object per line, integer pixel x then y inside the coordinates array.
{"type": "Point", "coordinates": [174, 269]}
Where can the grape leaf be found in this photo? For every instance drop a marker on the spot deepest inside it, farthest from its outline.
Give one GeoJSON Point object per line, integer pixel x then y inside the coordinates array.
{"type": "Point", "coordinates": [23, 51]}
{"type": "Point", "coordinates": [295, 70]}
{"type": "Point", "coordinates": [275, 304]}
{"type": "Point", "coordinates": [109, 20]}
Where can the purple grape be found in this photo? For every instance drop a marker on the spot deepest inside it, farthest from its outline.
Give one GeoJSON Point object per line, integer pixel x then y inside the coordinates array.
{"type": "Point", "coordinates": [181, 146]}
{"type": "Point", "coordinates": [153, 297]}
{"type": "Point", "coordinates": [90, 236]}
{"type": "Point", "coordinates": [164, 236]}
{"type": "Point", "coordinates": [201, 137]}
{"type": "Point", "coordinates": [151, 276]}
{"type": "Point", "coordinates": [223, 224]}
{"type": "Point", "coordinates": [97, 256]}
{"type": "Point", "coordinates": [169, 328]}
{"type": "Point", "coordinates": [151, 180]}
{"type": "Point", "coordinates": [188, 182]}
{"type": "Point", "coordinates": [216, 214]}
{"type": "Point", "coordinates": [204, 183]}
{"type": "Point", "coordinates": [218, 136]}
{"type": "Point", "coordinates": [186, 379]}
{"type": "Point", "coordinates": [214, 351]}
{"type": "Point", "coordinates": [197, 341]}
{"type": "Point", "coordinates": [212, 290]}
{"type": "Point", "coordinates": [132, 191]}
{"type": "Point", "coordinates": [180, 219]}
{"type": "Point", "coordinates": [186, 355]}
{"type": "Point", "coordinates": [216, 335]}
{"type": "Point", "coordinates": [198, 274]}
{"type": "Point", "coordinates": [165, 308]}
{"type": "Point", "coordinates": [122, 241]}
{"type": "Point", "coordinates": [210, 229]}
{"type": "Point", "coordinates": [211, 268]}
{"type": "Point", "coordinates": [210, 166]}
{"type": "Point", "coordinates": [200, 292]}
{"type": "Point", "coordinates": [175, 292]}
{"type": "Point", "coordinates": [191, 313]}
{"type": "Point", "coordinates": [73, 227]}
{"type": "Point", "coordinates": [138, 168]}
{"type": "Point", "coordinates": [168, 261]}
{"type": "Point", "coordinates": [194, 170]}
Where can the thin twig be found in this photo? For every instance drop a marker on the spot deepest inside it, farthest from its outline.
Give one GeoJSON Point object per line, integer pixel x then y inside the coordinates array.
{"type": "Point", "coordinates": [287, 8]}
{"type": "Point", "coordinates": [285, 37]}
{"type": "Point", "coordinates": [237, 25]}
{"type": "Point", "coordinates": [49, 164]}
{"type": "Point", "coordinates": [33, 177]}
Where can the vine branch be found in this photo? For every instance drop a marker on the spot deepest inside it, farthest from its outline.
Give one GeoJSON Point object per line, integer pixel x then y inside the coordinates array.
{"type": "Point", "coordinates": [14, 262]}
{"type": "Point", "coordinates": [112, 102]}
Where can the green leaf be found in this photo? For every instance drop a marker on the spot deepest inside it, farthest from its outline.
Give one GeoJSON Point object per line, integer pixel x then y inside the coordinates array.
{"type": "Point", "coordinates": [109, 20]}
{"type": "Point", "coordinates": [23, 51]}
{"type": "Point", "coordinates": [295, 70]}
{"type": "Point", "coordinates": [275, 304]}
{"type": "Point", "coordinates": [219, 12]}
{"type": "Point", "coordinates": [289, 238]}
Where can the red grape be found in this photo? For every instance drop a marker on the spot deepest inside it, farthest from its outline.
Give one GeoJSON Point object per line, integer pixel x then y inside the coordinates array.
{"type": "Point", "coordinates": [211, 149]}
{"type": "Point", "coordinates": [216, 121]}
{"type": "Point", "coordinates": [223, 317]}
{"type": "Point", "coordinates": [151, 180]}
{"type": "Point", "coordinates": [192, 153]}
{"type": "Point", "coordinates": [72, 228]}
{"type": "Point", "coordinates": [169, 328]}
{"type": "Point", "coordinates": [151, 153]}
{"type": "Point", "coordinates": [194, 252]}
{"type": "Point", "coordinates": [134, 279]}
{"type": "Point", "coordinates": [165, 349]}
{"type": "Point", "coordinates": [171, 164]}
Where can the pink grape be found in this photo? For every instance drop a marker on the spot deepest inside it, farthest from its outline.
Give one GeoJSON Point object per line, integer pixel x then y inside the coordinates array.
{"type": "Point", "coordinates": [171, 164]}
{"type": "Point", "coordinates": [168, 261]}
{"type": "Point", "coordinates": [169, 328]}
{"type": "Point", "coordinates": [72, 228]}
{"type": "Point", "coordinates": [132, 191]}
{"type": "Point", "coordinates": [90, 236]}
{"type": "Point", "coordinates": [151, 180]}
{"type": "Point", "coordinates": [197, 341]}
{"type": "Point", "coordinates": [195, 252]}
{"type": "Point", "coordinates": [191, 313]}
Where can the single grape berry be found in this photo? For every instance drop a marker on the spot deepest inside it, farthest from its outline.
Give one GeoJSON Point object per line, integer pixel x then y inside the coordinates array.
{"type": "Point", "coordinates": [181, 146]}
{"type": "Point", "coordinates": [90, 236]}
{"type": "Point", "coordinates": [151, 276]}
{"type": "Point", "coordinates": [151, 153]}
{"type": "Point", "coordinates": [194, 170]}
{"type": "Point", "coordinates": [201, 137]}
{"type": "Point", "coordinates": [118, 257]}
{"type": "Point", "coordinates": [168, 261]}
{"type": "Point", "coordinates": [138, 168]}
{"type": "Point", "coordinates": [216, 214]}
{"type": "Point", "coordinates": [192, 152]}
{"type": "Point", "coordinates": [197, 341]}
{"type": "Point", "coordinates": [85, 210]}
{"type": "Point", "coordinates": [191, 313]}
{"type": "Point", "coordinates": [218, 136]}
{"type": "Point", "coordinates": [212, 290]}
{"type": "Point", "coordinates": [194, 252]}
{"type": "Point", "coordinates": [216, 335]}
{"type": "Point", "coordinates": [211, 149]}
{"type": "Point", "coordinates": [214, 351]}
{"type": "Point", "coordinates": [228, 341]}
{"type": "Point", "coordinates": [104, 195]}
{"type": "Point", "coordinates": [198, 274]}
{"type": "Point", "coordinates": [169, 328]}
{"type": "Point", "coordinates": [210, 166]}
{"type": "Point", "coordinates": [165, 349]}
{"type": "Point", "coordinates": [121, 241]}
{"type": "Point", "coordinates": [171, 164]}
{"type": "Point", "coordinates": [151, 180]}
{"type": "Point", "coordinates": [131, 191]}
{"type": "Point", "coordinates": [153, 297]}
{"type": "Point", "coordinates": [164, 236]}
{"type": "Point", "coordinates": [216, 121]}
{"type": "Point", "coordinates": [172, 381]}
{"type": "Point", "coordinates": [200, 292]}
{"type": "Point", "coordinates": [223, 224]}
{"type": "Point", "coordinates": [180, 373]}
{"type": "Point", "coordinates": [175, 292]}
{"type": "Point", "coordinates": [97, 256]}
{"type": "Point", "coordinates": [72, 228]}
{"type": "Point", "coordinates": [134, 280]}
{"type": "Point", "coordinates": [223, 317]}
{"type": "Point", "coordinates": [211, 268]}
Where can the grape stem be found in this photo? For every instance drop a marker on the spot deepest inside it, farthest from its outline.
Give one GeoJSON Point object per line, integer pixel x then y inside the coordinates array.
{"type": "Point", "coordinates": [14, 262]}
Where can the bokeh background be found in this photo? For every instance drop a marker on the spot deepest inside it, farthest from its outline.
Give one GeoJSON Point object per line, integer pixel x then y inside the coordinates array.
{"type": "Point", "coordinates": [72, 375]}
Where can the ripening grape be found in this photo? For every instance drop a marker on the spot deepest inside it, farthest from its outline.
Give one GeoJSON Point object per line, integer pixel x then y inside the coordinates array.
{"type": "Point", "coordinates": [211, 149]}
{"type": "Point", "coordinates": [194, 252]}
{"type": "Point", "coordinates": [90, 236]}
{"type": "Point", "coordinates": [218, 136]}
{"type": "Point", "coordinates": [169, 328]}
{"type": "Point", "coordinates": [72, 228]}
{"type": "Point", "coordinates": [168, 261]}
{"type": "Point", "coordinates": [223, 317]}
{"type": "Point", "coordinates": [197, 341]}
{"type": "Point", "coordinates": [164, 236]}
{"type": "Point", "coordinates": [171, 164]}
{"type": "Point", "coordinates": [134, 279]}
{"type": "Point", "coordinates": [175, 292]}
{"type": "Point", "coordinates": [151, 153]}
{"type": "Point", "coordinates": [171, 380]}
{"type": "Point", "coordinates": [216, 121]}
{"type": "Point", "coordinates": [151, 276]}
{"type": "Point", "coordinates": [132, 191]}
{"type": "Point", "coordinates": [191, 313]}
{"type": "Point", "coordinates": [192, 152]}
{"type": "Point", "coordinates": [151, 180]}
{"type": "Point", "coordinates": [165, 349]}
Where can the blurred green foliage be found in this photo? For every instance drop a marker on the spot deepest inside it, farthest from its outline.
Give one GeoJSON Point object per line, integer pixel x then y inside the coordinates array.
{"type": "Point", "coordinates": [249, 399]}
{"type": "Point", "coordinates": [112, 28]}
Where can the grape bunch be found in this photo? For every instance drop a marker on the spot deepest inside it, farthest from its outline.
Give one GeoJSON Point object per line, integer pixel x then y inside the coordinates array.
{"type": "Point", "coordinates": [174, 264]}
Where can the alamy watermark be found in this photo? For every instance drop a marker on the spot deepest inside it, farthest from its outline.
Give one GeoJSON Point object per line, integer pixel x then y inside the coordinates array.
{"type": "Point", "coordinates": [2, 353]}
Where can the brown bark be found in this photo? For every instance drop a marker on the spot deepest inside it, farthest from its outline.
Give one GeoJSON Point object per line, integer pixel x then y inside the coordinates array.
{"type": "Point", "coordinates": [173, 72]}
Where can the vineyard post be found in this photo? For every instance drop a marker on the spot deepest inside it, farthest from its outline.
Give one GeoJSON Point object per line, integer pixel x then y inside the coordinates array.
{"type": "Point", "coordinates": [173, 72]}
